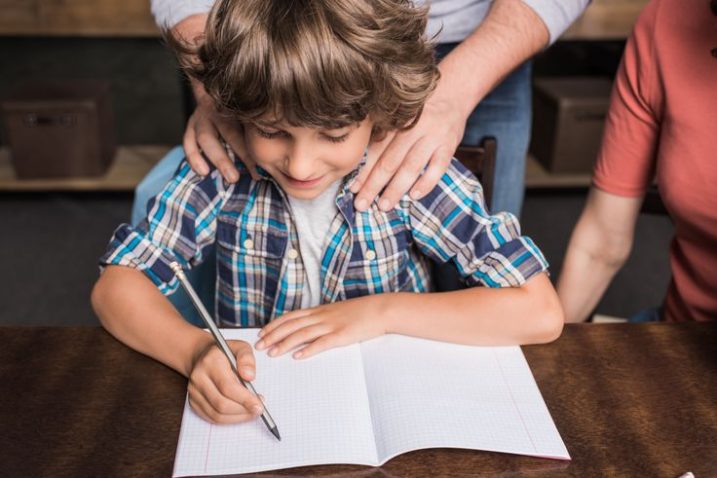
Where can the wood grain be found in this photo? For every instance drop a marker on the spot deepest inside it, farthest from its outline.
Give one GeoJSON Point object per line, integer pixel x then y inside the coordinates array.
{"type": "Point", "coordinates": [130, 165]}
{"type": "Point", "coordinates": [128, 18]}
{"type": "Point", "coordinates": [628, 400]}
{"type": "Point", "coordinates": [606, 20]}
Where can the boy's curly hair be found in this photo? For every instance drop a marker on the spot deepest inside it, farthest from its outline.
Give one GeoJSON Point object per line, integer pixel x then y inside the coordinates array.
{"type": "Point", "coordinates": [316, 63]}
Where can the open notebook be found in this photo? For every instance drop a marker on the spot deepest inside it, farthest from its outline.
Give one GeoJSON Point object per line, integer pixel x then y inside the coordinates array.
{"type": "Point", "coordinates": [365, 404]}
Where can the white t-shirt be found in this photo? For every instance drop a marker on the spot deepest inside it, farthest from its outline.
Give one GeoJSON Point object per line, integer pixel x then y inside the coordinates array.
{"type": "Point", "coordinates": [313, 218]}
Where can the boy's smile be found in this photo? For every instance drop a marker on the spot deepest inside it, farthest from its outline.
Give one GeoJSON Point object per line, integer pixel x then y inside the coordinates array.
{"type": "Point", "coordinates": [305, 161]}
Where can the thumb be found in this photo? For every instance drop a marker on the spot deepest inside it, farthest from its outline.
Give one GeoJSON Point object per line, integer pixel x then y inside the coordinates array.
{"type": "Point", "coordinates": [246, 365]}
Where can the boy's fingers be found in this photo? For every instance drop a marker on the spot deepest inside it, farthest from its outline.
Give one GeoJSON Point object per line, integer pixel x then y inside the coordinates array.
{"type": "Point", "coordinates": [301, 336]}
{"type": "Point", "coordinates": [437, 167]}
{"type": "Point", "coordinates": [286, 329]}
{"type": "Point", "coordinates": [407, 174]}
{"type": "Point", "coordinates": [321, 344]}
{"type": "Point", "coordinates": [231, 397]}
{"type": "Point", "coordinates": [246, 363]}
{"type": "Point", "coordinates": [294, 314]}
{"type": "Point", "coordinates": [204, 409]}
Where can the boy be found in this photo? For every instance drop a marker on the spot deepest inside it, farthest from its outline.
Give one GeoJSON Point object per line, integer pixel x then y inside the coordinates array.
{"type": "Point", "coordinates": [319, 80]}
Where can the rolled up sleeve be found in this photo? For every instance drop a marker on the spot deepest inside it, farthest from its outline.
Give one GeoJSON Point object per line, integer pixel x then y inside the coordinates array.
{"type": "Point", "coordinates": [452, 224]}
{"type": "Point", "coordinates": [557, 15]}
{"type": "Point", "coordinates": [167, 13]}
{"type": "Point", "coordinates": [180, 225]}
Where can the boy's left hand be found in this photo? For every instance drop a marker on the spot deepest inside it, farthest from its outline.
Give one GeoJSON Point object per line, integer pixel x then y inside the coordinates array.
{"type": "Point", "coordinates": [325, 327]}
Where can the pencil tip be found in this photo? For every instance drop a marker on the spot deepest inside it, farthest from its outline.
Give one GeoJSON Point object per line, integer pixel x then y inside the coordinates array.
{"type": "Point", "coordinates": [275, 431]}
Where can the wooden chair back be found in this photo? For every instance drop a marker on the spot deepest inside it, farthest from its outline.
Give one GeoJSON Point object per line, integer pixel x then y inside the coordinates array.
{"type": "Point", "coordinates": [480, 160]}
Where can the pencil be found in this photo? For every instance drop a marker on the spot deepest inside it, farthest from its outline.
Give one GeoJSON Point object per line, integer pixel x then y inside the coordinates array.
{"type": "Point", "coordinates": [222, 344]}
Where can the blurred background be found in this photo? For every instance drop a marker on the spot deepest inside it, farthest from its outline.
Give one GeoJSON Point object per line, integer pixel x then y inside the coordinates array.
{"type": "Point", "coordinates": [119, 103]}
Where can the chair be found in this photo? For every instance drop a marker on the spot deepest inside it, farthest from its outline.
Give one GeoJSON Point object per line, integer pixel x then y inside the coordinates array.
{"type": "Point", "coordinates": [480, 160]}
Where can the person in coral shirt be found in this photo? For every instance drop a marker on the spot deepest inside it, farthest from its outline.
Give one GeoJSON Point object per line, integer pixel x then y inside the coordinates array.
{"type": "Point", "coordinates": [662, 125]}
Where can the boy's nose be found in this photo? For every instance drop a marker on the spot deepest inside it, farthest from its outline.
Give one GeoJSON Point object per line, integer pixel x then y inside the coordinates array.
{"type": "Point", "coordinates": [300, 164]}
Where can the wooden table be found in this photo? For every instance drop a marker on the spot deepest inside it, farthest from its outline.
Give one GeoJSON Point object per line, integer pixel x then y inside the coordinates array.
{"type": "Point", "coordinates": [629, 400]}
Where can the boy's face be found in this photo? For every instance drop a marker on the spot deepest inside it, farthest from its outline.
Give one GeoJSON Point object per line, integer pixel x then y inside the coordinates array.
{"type": "Point", "coordinates": [305, 161]}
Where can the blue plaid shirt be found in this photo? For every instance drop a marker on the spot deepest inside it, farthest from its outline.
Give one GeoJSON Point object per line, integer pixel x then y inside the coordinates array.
{"type": "Point", "coordinates": [260, 273]}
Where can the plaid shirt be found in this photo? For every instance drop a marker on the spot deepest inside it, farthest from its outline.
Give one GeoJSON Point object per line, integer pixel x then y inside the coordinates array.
{"type": "Point", "coordinates": [259, 269]}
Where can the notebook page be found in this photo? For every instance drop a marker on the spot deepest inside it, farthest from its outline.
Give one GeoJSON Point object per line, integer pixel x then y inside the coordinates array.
{"type": "Point", "coordinates": [319, 404]}
{"type": "Point", "coordinates": [427, 394]}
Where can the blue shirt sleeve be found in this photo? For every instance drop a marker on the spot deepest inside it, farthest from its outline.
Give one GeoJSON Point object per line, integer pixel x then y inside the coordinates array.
{"type": "Point", "coordinates": [180, 225]}
{"type": "Point", "coordinates": [452, 224]}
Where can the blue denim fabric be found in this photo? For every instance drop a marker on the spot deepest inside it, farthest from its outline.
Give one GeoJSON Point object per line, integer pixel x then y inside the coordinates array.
{"type": "Point", "coordinates": [202, 277]}
{"type": "Point", "coordinates": [647, 315]}
{"type": "Point", "coordinates": [505, 114]}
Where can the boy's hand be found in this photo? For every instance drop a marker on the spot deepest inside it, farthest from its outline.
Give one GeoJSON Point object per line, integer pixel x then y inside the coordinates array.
{"type": "Point", "coordinates": [215, 392]}
{"type": "Point", "coordinates": [325, 327]}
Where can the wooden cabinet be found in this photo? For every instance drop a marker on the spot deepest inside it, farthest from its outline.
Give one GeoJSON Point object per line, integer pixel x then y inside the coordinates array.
{"type": "Point", "coordinates": [127, 18]}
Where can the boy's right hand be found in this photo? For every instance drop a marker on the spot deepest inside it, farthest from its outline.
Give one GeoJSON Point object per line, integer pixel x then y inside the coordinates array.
{"type": "Point", "coordinates": [215, 392]}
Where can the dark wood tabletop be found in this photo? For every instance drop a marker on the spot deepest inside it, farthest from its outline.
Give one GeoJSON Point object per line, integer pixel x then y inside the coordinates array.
{"type": "Point", "coordinates": [629, 400]}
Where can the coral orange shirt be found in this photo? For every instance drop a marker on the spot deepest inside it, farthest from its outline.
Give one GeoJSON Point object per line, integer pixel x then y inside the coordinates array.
{"type": "Point", "coordinates": [662, 124]}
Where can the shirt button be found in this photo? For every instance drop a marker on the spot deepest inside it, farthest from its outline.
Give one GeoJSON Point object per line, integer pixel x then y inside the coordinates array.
{"type": "Point", "coordinates": [249, 244]}
{"type": "Point", "coordinates": [292, 254]}
{"type": "Point", "coordinates": [370, 255]}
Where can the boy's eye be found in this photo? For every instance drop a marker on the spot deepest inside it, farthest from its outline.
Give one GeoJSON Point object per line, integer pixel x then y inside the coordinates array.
{"type": "Point", "coordinates": [269, 134]}
{"type": "Point", "coordinates": [335, 139]}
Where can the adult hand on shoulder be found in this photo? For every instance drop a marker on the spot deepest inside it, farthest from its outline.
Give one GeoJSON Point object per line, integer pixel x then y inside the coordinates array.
{"type": "Point", "coordinates": [325, 327]}
{"type": "Point", "coordinates": [215, 393]}
{"type": "Point", "coordinates": [400, 158]}
{"type": "Point", "coordinates": [203, 140]}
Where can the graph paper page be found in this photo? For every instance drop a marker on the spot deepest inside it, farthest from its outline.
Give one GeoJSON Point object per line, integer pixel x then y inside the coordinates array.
{"type": "Point", "coordinates": [320, 406]}
{"type": "Point", "coordinates": [427, 394]}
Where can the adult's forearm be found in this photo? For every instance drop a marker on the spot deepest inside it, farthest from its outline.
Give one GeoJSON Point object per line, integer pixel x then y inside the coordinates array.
{"type": "Point", "coordinates": [585, 277]}
{"type": "Point", "coordinates": [510, 34]}
{"type": "Point", "coordinates": [598, 248]}
{"type": "Point", "coordinates": [190, 31]}
{"type": "Point", "coordinates": [480, 315]}
{"type": "Point", "coordinates": [132, 309]}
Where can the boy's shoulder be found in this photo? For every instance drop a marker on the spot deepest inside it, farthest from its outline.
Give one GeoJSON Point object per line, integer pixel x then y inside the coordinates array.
{"type": "Point", "coordinates": [456, 179]}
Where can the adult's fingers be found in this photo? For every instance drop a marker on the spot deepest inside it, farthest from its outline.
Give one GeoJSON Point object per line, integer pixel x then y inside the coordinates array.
{"type": "Point", "coordinates": [233, 134]}
{"type": "Point", "coordinates": [384, 169]}
{"type": "Point", "coordinates": [440, 160]}
{"type": "Point", "coordinates": [210, 143]}
{"type": "Point", "coordinates": [191, 148]}
{"type": "Point", "coordinates": [411, 168]}
{"type": "Point", "coordinates": [375, 150]}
